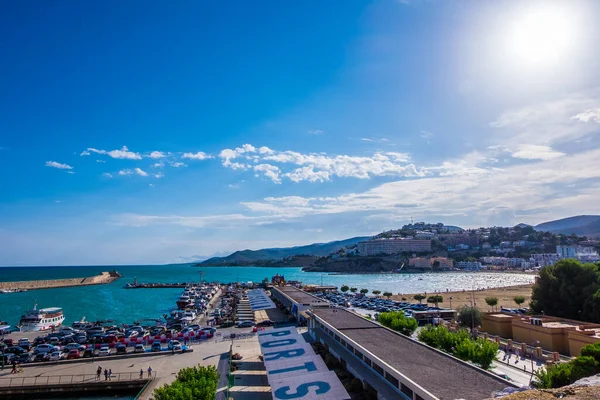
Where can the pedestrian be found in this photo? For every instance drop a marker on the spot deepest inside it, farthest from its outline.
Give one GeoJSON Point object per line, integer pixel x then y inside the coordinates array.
{"type": "Point", "coordinates": [105, 374]}
{"type": "Point", "coordinates": [110, 374]}
{"type": "Point", "coordinates": [141, 373]}
{"type": "Point", "coordinates": [98, 373]}
{"type": "Point", "coordinates": [14, 367]}
{"type": "Point", "coordinates": [149, 372]}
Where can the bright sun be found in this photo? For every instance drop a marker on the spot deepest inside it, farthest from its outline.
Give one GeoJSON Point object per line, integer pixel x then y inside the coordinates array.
{"type": "Point", "coordinates": [541, 35]}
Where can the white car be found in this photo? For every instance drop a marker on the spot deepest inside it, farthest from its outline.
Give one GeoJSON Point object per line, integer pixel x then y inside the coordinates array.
{"type": "Point", "coordinates": [56, 355]}
{"type": "Point", "coordinates": [209, 329]}
{"type": "Point", "coordinates": [174, 345]}
{"type": "Point", "coordinates": [43, 348]}
{"type": "Point", "coordinates": [74, 346]}
{"type": "Point", "coordinates": [104, 351]}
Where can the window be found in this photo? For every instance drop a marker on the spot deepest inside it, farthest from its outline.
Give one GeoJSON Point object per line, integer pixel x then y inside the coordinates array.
{"type": "Point", "coordinates": [417, 397]}
{"type": "Point", "coordinates": [337, 338]}
{"type": "Point", "coordinates": [358, 354]}
{"type": "Point", "coordinates": [349, 347]}
{"type": "Point", "coordinates": [392, 379]}
{"type": "Point", "coordinates": [368, 361]}
{"type": "Point", "coordinates": [406, 390]}
{"type": "Point", "coordinates": [378, 369]}
{"type": "Point", "coordinates": [343, 342]}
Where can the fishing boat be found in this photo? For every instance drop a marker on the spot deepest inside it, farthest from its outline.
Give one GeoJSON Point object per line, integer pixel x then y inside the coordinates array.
{"type": "Point", "coordinates": [4, 328]}
{"type": "Point", "coordinates": [41, 320]}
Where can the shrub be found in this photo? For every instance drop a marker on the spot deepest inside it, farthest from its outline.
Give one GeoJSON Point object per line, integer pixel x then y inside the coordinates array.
{"type": "Point", "coordinates": [469, 316]}
{"type": "Point", "coordinates": [196, 382]}
{"type": "Point", "coordinates": [397, 321]}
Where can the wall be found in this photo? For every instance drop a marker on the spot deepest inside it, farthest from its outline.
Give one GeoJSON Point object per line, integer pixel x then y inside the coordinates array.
{"type": "Point", "coordinates": [497, 324]}
{"type": "Point", "coordinates": [104, 277]}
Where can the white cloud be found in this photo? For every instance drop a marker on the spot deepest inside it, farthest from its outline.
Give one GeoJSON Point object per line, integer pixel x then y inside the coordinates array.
{"type": "Point", "coordinates": [159, 164]}
{"type": "Point", "coordinates": [135, 171]}
{"type": "Point", "coordinates": [123, 153]}
{"type": "Point", "coordinates": [151, 184]}
{"type": "Point", "coordinates": [54, 164]}
{"type": "Point", "coordinates": [107, 175]}
{"type": "Point", "coordinates": [157, 154]}
{"type": "Point", "coordinates": [159, 175]}
{"type": "Point", "coordinates": [101, 161]}
{"type": "Point", "coordinates": [269, 171]}
{"type": "Point", "coordinates": [178, 164]}
{"type": "Point", "coordinates": [592, 115]}
{"type": "Point", "coordinates": [197, 156]}
{"type": "Point", "coordinates": [319, 167]}
{"type": "Point", "coordinates": [426, 135]}
{"type": "Point", "coordinates": [85, 153]}
{"type": "Point", "coordinates": [315, 132]}
{"type": "Point", "coordinates": [536, 152]}
{"type": "Point", "coordinates": [375, 140]}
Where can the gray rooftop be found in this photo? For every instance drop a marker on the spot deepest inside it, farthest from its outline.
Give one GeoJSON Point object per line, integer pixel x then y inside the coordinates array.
{"type": "Point", "coordinates": [441, 375]}
{"type": "Point", "coordinates": [300, 296]}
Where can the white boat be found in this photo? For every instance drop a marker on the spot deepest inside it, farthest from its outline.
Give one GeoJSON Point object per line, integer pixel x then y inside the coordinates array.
{"type": "Point", "coordinates": [41, 320]}
{"type": "Point", "coordinates": [4, 328]}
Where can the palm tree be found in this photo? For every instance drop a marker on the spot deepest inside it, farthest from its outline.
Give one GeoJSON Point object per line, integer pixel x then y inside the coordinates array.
{"type": "Point", "coordinates": [387, 294]}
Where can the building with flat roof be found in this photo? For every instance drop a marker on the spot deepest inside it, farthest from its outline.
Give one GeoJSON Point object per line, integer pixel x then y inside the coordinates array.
{"type": "Point", "coordinates": [560, 335]}
{"type": "Point", "coordinates": [393, 246]}
{"type": "Point", "coordinates": [296, 300]}
{"type": "Point", "coordinates": [395, 366]}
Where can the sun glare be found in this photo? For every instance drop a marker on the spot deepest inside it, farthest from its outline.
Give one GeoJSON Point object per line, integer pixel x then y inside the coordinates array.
{"type": "Point", "coordinates": [541, 35]}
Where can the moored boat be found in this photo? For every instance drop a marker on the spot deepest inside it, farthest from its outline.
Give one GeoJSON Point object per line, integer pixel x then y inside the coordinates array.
{"type": "Point", "coordinates": [41, 320]}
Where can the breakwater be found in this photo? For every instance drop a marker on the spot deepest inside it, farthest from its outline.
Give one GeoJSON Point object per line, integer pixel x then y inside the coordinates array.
{"type": "Point", "coordinates": [100, 279]}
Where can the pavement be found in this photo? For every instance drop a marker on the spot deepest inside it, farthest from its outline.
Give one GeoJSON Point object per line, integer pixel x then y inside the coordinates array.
{"type": "Point", "coordinates": [518, 369]}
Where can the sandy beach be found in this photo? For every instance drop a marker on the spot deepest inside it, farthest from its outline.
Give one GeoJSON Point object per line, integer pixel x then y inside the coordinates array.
{"type": "Point", "coordinates": [505, 297]}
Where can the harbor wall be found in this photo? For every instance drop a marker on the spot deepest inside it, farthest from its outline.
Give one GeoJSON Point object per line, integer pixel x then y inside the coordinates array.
{"type": "Point", "coordinates": [102, 278]}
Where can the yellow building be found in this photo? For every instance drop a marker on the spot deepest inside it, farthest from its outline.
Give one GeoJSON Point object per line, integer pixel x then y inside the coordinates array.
{"type": "Point", "coordinates": [552, 334]}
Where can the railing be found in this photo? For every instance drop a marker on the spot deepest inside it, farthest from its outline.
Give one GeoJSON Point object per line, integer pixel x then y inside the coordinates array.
{"type": "Point", "coordinates": [73, 379]}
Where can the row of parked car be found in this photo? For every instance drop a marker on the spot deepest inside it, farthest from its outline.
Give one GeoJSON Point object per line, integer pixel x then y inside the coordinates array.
{"type": "Point", "coordinates": [373, 303]}
{"type": "Point", "coordinates": [71, 343]}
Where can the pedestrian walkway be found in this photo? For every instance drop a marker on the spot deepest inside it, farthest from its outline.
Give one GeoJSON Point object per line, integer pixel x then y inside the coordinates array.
{"type": "Point", "coordinates": [519, 362]}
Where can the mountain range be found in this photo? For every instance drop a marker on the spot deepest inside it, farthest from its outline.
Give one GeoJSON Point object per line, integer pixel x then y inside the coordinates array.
{"type": "Point", "coordinates": [581, 225]}
{"type": "Point", "coordinates": [315, 249]}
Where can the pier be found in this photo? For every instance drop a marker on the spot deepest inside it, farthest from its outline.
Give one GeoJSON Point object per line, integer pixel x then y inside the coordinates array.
{"type": "Point", "coordinates": [100, 279]}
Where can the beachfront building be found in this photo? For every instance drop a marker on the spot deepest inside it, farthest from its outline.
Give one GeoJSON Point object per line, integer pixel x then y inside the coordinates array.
{"type": "Point", "coordinates": [395, 366]}
{"type": "Point", "coordinates": [375, 247]}
{"type": "Point", "coordinates": [469, 265]}
{"type": "Point", "coordinates": [429, 263]}
{"type": "Point", "coordinates": [560, 335]}
{"type": "Point", "coordinates": [582, 253]}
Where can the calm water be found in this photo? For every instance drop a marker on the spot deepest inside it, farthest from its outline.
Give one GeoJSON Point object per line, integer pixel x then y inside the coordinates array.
{"type": "Point", "coordinates": [126, 305]}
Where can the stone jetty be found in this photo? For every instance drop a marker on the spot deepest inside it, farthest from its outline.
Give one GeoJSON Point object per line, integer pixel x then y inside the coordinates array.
{"type": "Point", "coordinates": [100, 279]}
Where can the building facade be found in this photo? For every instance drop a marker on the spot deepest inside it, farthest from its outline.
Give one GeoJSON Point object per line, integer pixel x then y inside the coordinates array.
{"type": "Point", "coordinates": [393, 246]}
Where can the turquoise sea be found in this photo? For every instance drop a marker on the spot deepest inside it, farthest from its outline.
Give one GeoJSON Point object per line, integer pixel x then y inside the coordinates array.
{"type": "Point", "coordinates": [127, 305]}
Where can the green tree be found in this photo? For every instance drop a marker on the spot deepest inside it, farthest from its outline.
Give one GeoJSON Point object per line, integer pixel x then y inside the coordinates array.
{"type": "Point", "coordinates": [364, 291]}
{"type": "Point", "coordinates": [519, 300]}
{"type": "Point", "coordinates": [491, 301]}
{"type": "Point", "coordinates": [397, 321]}
{"type": "Point", "coordinates": [387, 294]}
{"type": "Point", "coordinates": [376, 292]}
{"type": "Point", "coordinates": [469, 317]}
{"type": "Point", "coordinates": [568, 289]}
{"type": "Point", "coordinates": [344, 288]}
{"type": "Point", "coordinates": [196, 382]}
{"type": "Point", "coordinates": [435, 299]}
{"type": "Point", "coordinates": [353, 289]}
{"type": "Point", "coordinates": [419, 297]}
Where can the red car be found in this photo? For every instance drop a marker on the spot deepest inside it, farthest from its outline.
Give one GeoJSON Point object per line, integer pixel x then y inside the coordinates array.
{"type": "Point", "coordinates": [73, 354]}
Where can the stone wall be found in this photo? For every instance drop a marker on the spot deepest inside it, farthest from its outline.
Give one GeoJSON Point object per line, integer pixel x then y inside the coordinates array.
{"type": "Point", "coordinates": [102, 278]}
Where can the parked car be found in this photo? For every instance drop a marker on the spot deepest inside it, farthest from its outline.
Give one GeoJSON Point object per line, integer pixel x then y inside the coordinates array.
{"type": "Point", "coordinates": [88, 353]}
{"type": "Point", "coordinates": [121, 348]}
{"type": "Point", "coordinates": [266, 322]}
{"type": "Point", "coordinates": [8, 357]}
{"type": "Point", "coordinates": [245, 324]}
{"type": "Point", "coordinates": [73, 353]}
{"type": "Point", "coordinates": [139, 348]}
{"type": "Point", "coordinates": [24, 358]}
{"type": "Point", "coordinates": [209, 329]}
{"type": "Point", "coordinates": [156, 346]}
{"type": "Point", "coordinates": [74, 346]}
{"type": "Point", "coordinates": [54, 356]}
{"type": "Point", "coordinates": [104, 351]}
{"type": "Point", "coordinates": [24, 343]}
{"type": "Point", "coordinates": [40, 357]}
{"type": "Point", "coordinates": [16, 350]}
{"type": "Point", "coordinates": [175, 345]}
{"type": "Point", "coordinates": [55, 341]}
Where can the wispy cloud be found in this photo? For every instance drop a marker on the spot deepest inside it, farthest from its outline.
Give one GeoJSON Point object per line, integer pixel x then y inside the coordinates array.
{"type": "Point", "coordinates": [375, 140]}
{"type": "Point", "coordinates": [107, 175]}
{"type": "Point", "coordinates": [197, 156]}
{"type": "Point", "coordinates": [426, 135]}
{"type": "Point", "coordinates": [315, 132]}
{"type": "Point", "coordinates": [269, 171]}
{"type": "Point", "coordinates": [54, 164]}
{"type": "Point", "coordinates": [178, 164]}
{"type": "Point", "coordinates": [122, 153]}
{"type": "Point", "coordinates": [135, 171]}
{"type": "Point", "coordinates": [157, 154]}
{"type": "Point", "coordinates": [588, 116]}
{"type": "Point", "coordinates": [536, 152]}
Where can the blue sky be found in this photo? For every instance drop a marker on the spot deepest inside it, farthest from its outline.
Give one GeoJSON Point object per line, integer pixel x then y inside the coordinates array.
{"type": "Point", "coordinates": [166, 132]}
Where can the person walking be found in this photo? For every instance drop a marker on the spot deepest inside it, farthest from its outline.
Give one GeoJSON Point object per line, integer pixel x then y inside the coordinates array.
{"type": "Point", "coordinates": [141, 373]}
{"type": "Point", "coordinates": [98, 373]}
{"type": "Point", "coordinates": [14, 367]}
{"type": "Point", "coordinates": [105, 374]}
{"type": "Point", "coordinates": [110, 374]}
{"type": "Point", "coordinates": [149, 372]}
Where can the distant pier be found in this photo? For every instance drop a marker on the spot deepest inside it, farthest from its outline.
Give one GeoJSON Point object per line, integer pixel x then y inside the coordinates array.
{"type": "Point", "coordinates": [100, 279]}
{"type": "Point", "coordinates": [156, 285]}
